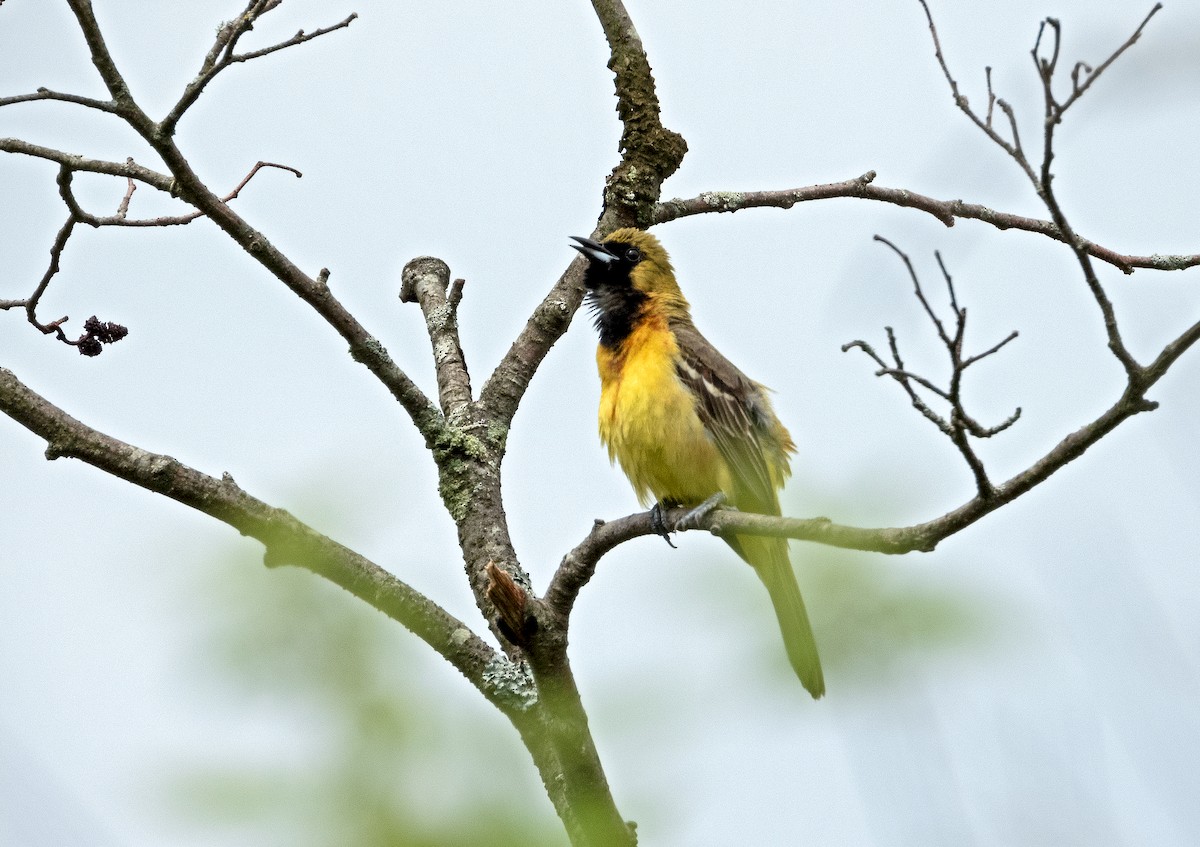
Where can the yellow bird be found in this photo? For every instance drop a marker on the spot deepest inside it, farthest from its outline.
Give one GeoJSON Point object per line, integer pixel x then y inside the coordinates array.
{"type": "Point", "coordinates": [684, 423]}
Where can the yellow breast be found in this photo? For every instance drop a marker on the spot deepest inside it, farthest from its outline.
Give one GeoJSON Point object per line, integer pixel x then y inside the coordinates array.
{"type": "Point", "coordinates": [649, 423]}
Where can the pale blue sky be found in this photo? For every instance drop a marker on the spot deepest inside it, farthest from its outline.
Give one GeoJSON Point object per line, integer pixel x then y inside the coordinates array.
{"type": "Point", "coordinates": [481, 133]}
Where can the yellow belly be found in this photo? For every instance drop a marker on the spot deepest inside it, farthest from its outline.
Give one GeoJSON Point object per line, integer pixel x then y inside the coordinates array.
{"type": "Point", "coordinates": [649, 423]}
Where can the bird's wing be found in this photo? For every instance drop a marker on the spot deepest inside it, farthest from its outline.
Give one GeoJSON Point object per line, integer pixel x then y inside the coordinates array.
{"type": "Point", "coordinates": [738, 417]}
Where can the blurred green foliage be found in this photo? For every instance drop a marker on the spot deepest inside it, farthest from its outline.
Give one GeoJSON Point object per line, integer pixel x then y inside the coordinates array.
{"type": "Point", "coordinates": [873, 614]}
{"type": "Point", "coordinates": [370, 750]}
{"type": "Point", "coordinates": [878, 616]}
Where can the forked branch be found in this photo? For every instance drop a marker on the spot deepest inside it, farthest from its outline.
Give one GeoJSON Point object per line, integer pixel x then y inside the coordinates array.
{"type": "Point", "coordinates": [287, 540]}
{"type": "Point", "coordinates": [1083, 76]}
{"type": "Point", "coordinates": [649, 154]}
{"type": "Point", "coordinates": [959, 426]}
{"type": "Point", "coordinates": [223, 54]}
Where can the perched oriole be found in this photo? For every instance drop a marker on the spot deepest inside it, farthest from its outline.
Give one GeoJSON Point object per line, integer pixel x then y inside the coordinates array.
{"type": "Point", "coordinates": [683, 422]}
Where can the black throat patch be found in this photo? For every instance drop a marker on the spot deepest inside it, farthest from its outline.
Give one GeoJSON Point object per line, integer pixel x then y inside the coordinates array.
{"type": "Point", "coordinates": [614, 302]}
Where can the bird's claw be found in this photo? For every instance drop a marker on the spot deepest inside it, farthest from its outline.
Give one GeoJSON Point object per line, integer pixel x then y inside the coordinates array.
{"type": "Point", "coordinates": [693, 518]}
{"type": "Point", "coordinates": [658, 525]}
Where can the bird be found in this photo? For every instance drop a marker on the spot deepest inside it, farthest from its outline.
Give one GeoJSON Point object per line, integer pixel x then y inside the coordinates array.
{"type": "Point", "coordinates": [685, 425]}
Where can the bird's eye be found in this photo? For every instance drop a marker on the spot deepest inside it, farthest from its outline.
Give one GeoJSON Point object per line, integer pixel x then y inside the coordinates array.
{"type": "Point", "coordinates": [633, 254]}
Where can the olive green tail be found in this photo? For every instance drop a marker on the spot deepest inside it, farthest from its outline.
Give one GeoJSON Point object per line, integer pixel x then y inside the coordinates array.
{"type": "Point", "coordinates": [769, 556]}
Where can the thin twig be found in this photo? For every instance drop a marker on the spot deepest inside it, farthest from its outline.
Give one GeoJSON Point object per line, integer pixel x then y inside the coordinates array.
{"type": "Point", "coordinates": [1092, 75]}
{"type": "Point", "coordinates": [31, 304]}
{"type": "Point", "coordinates": [1012, 148]}
{"type": "Point", "coordinates": [995, 348]}
{"type": "Point", "coordinates": [120, 219]}
{"type": "Point", "coordinates": [222, 54]}
{"type": "Point", "coordinates": [1053, 117]}
{"type": "Point", "coordinates": [123, 207]}
{"type": "Point", "coordinates": [299, 38]}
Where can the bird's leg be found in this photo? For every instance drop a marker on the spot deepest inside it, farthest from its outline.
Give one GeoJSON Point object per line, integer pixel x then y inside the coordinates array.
{"type": "Point", "coordinates": [692, 519]}
{"type": "Point", "coordinates": [657, 524]}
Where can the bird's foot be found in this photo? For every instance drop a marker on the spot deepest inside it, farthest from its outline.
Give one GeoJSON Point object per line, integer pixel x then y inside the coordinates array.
{"type": "Point", "coordinates": [692, 519]}
{"type": "Point", "coordinates": [658, 525]}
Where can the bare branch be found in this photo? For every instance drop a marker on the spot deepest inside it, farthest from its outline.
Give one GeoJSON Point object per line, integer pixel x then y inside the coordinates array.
{"type": "Point", "coordinates": [123, 206]}
{"type": "Point", "coordinates": [920, 295]}
{"type": "Point", "coordinates": [987, 72]}
{"type": "Point", "coordinates": [229, 34]}
{"type": "Point", "coordinates": [96, 333]}
{"type": "Point", "coordinates": [504, 389]}
{"type": "Point", "coordinates": [578, 566]}
{"type": "Point", "coordinates": [46, 94]}
{"type": "Point", "coordinates": [300, 37]}
{"type": "Point", "coordinates": [1170, 353]}
{"type": "Point", "coordinates": [31, 304]}
{"type": "Point", "coordinates": [1046, 66]}
{"type": "Point", "coordinates": [946, 211]}
{"type": "Point", "coordinates": [287, 540]}
{"type": "Point", "coordinates": [960, 424]}
{"type": "Point", "coordinates": [1090, 76]}
{"type": "Point", "coordinates": [363, 346]}
{"type": "Point", "coordinates": [118, 90]}
{"type": "Point", "coordinates": [905, 376]}
{"type": "Point", "coordinates": [1012, 148]}
{"type": "Point", "coordinates": [995, 348]}
{"type": "Point", "coordinates": [1045, 185]}
{"type": "Point", "coordinates": [221, 55]}
{"type": "Point", "coordinates": [121, 219]}
{"type": "Point", "coordinates": [1042, 180]}
{"type": "Point", "coordinates": [979, 431]}
{"type": "Point", "coordinates": [184, 183]}
{"type": "Point", "coordinates": [128, 169]}
{"type": "Point", "coordinates": [1016, 133]}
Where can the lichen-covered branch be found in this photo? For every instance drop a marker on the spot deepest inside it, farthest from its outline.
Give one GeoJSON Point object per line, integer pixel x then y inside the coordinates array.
{"type": "Point", "coordinates": [649, 154]}
{"type": "Point", "coordinates": [468, 455]}
{"type": "Point", "coordinates": [650, 151]}
{"type": "Point", "coordinates": [426, 280]}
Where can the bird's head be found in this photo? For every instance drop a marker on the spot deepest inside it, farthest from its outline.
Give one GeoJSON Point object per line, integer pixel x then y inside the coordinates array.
{"type": "Point", "coordinates": [629, 274]}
